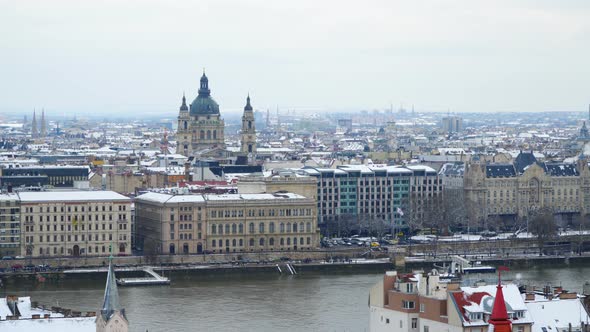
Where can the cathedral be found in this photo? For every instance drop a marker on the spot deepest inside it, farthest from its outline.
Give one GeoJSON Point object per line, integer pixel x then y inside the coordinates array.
{"type": "Point", "coordinates": [200, 125]}
{"type": "Point", "coordinates": [201, 128]}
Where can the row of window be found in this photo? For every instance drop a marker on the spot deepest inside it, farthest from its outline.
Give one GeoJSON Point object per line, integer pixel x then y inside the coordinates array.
{"type": "Point", "coordinates": [61, 238]}
{"type": "Point", "coordinates": [76, 218]}
{"type": "Point", "coordinates": [82, 227]}
{"type": "Point", "coordinates": [49, 209]}
{"type": "Point", "coordinates": [261, 242]}
{"type": "Point", "coordinates": [239, 228]}
{"type": "Point", "coordinates": [260, 213]}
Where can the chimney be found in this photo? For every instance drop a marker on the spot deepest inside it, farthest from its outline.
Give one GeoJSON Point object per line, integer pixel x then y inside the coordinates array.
{"type": "Point", "coordinates": [46, 316]}
{"type": "Point", "coordinates": [35, 316]}
{"type": "Point", "coordinates": [529, 297]}
{"type": "Point", "coordinates": [568, 296]}
{"type": "Point", "coordinates": [91, 314]}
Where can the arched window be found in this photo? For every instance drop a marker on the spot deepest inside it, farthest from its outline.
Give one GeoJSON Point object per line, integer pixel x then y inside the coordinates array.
{"type": "Point", "coordinates": [251, 242]}
{"type": "Point", "coordinates": [249, 124]}
{"type": "Point", "coordinates": [233, 242]}
{"type": "Point", "coordinates": [234, 229]}
{"type": "Point", "coordinates": [288, 227]}
{"type": "Point", "coordinates": [294, 227]}
{"type": "Point", "coordinates": [227, 229]}
{"type": "Point", "coordinates": [241, 242]}
{"type": "Point", "coordinates": [185, 125]}
{"type": "Point", "coordinates": [308, 227]}
{"type": "Point", "coordinates": [261, 228]}
{"type": "Point", "coordinates": [308, 241]}
{"type": "Point", "coordinates": [213, 229]}
{"type": "Point", "coordinates": [202, 134]}
{"type": "Point", "coordinates": [220, 243]}
{"type": "Point", "coordinates": [214, 134]}
{"type": "Point", "coordinates": [271, 227]}
{"type": "Point", "coordinates": [251, 228]}
{"type": "Point", "coordinates": [220, 229]}
{"type": "Point", "coordinates": [227, 242]}
{"type": "Point", "coordinates": [301, 241]}
{"type": "Point", "coordinates": [282, 228]}
{"type": "Point", "coordinates": [282, 241]}
{"type": "Point", "coordinates": [213, 243]}
{"type": "Point", "coordinates": [208, 134]}
{"type": "Point", "coordinates": [261, 241]}
{"type": "Point", "coordinates": [250, 148]}
{"type": "Point", "coordinates": [271, 241]}
{"type": "Point", "coordinates": [288, 241]}
{"type": "Point", "coordinates": [301, 229]}
{"type": "Point", "coordinates": [241, 228]}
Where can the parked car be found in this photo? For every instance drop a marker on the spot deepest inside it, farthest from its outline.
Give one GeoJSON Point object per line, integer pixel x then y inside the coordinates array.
{"type": "Point", "coordinates": [7, 258]}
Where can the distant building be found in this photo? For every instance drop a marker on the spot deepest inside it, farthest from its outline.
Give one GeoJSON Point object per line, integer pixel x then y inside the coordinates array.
{"type": "Point", "coordinates": [514, 190]}
{"type": "Point", "coordinates": [345, 123]}
{"type": "Point", "coordinates": [452, 124]}
{"type": "Point", "coordinates": [248, 133]}
{"type": "Point", "coordinates": [228, 223]}
{"type": "Point", "coordinates": [9, 225]}
{"type": "Point", "coordinates": [56, 176]}
{"type": "Point", "coordinates": [200, 125]}
{"type": "Point", "coordinates": [373, 191]}
{"type": "Point", "coordinates": [74, 223]}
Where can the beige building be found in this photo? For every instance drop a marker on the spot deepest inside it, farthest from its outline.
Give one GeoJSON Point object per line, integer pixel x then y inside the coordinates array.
{"type": "Point", "coordinates": [75, 223]}
{"type": "Point", "coordinates": [288, 181]}
{"type": "Point", "coordinates": [9, 225]}
{"type": "Point", "coordinates": [513, 190]}
{"type": "Point", "coordinates": [228, 223]}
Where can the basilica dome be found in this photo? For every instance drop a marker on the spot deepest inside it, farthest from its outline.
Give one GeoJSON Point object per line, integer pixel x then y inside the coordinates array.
{"type": "Point", "coordinates": [204, 103]}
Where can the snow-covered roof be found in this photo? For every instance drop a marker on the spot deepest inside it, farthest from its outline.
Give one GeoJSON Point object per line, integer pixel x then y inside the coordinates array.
{"type": "Point", "coordinates": [79, 324]}
{"type": "Point", "coordinates": [557, 314]}
{"type": "Point", "coordinates": [71, 196]}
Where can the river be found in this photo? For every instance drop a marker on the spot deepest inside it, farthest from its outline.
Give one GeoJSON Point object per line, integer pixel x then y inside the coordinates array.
{"type": "Point", "coordinates": [311, 301]}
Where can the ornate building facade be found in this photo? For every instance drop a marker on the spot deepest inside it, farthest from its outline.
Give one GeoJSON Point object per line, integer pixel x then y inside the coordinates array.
{"type": "Point", "coordinates": [200, 125]}
{"type": "Point", "coordinates": [512, 191]}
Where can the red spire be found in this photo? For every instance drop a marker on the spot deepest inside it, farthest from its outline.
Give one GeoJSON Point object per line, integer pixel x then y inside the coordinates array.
{"type": "Point", "coordinates": [499, 318]}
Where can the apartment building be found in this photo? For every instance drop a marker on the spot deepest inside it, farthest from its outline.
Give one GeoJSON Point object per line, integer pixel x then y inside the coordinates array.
{"type": "Point", "coordinates": [225, 223]}
{"type": "Point", "coordinates": [417, 302]}
{"type": "Point", "coordinates": [374, 190]}
{"type": "Point", "coordinates": [75, 223]}
{"type": "Point", "coordinates": [9, 225]}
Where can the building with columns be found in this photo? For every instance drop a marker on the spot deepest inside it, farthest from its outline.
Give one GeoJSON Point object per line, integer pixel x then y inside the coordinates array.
{"type": "Point", "coordinates": [511, 191]}
{"type": "Point", "coordinates": [226, 223]}
{"type": "Point", "coordinates": [200, 125]}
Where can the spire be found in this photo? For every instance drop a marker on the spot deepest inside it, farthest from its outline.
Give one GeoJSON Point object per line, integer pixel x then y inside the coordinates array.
{"type": "Point", "coordinates": [204, 90]}
{"type": "Point", "coordinates": [499, 321]}
{"type": "Point", "coordinates": [248, 107]}
{"type": "Point", "coordinates": [34, 132]}
{"type": "Point", "coordinates": [183, 107]}
{"type": "Point", "coordinates": [111, 295]}
{"type": "Point", "coordinates": [43, 124]}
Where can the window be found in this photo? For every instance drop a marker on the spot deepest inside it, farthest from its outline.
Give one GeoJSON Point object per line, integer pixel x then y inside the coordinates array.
{"type": "Point", "coordinates": [408, 304]}
{"type": "Point", "coordinates": [271, 227]}
{"type": "Point", "coordinates": [426, 329]}
{"type": "Point", "coordinates": [414, 323]}
{"type": "Point", "coordinates": [261, 228]}
{"type": "Point", "coordinates": [422, 307]}
{"type": "Point", "coordinates": [409, 288]}
{"type": "Point", "coordinates": [251, 228]}
{"type": "Point", "coordinates": [251, 242]}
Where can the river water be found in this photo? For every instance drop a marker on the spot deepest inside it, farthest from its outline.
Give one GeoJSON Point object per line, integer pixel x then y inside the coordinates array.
{"type": "Point", "coordinates": [310, 301]}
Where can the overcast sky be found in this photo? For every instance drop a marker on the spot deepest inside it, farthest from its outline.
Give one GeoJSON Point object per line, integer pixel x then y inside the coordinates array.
{"type": "Point", "coordinates": [139, 56]}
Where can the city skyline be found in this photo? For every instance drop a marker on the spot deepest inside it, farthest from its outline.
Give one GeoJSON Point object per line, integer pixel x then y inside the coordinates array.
{"type": "Point", "coordinates": [460, 56]}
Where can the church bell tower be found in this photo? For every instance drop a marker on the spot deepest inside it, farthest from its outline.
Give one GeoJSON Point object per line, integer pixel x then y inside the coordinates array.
{"type": "Point", "coordinates": [248, 135]}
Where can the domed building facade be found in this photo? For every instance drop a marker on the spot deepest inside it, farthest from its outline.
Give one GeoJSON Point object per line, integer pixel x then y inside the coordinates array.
{"type": "Point", "coordinates": [200, 126]}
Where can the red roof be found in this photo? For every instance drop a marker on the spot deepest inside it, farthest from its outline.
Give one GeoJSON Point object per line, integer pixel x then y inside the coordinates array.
{"type": "Point", "coordinates": [462, 300]}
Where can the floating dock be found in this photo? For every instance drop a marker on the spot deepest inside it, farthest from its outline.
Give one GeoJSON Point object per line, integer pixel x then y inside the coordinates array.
{"type": "Point", "coordinates": [154, 279]}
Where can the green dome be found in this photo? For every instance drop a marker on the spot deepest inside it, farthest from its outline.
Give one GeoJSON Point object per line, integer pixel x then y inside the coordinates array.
{"type": "Point", "coordinates": [204, 104]}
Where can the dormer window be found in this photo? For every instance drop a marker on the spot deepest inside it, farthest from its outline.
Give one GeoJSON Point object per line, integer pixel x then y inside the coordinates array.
{"type": "Point", "coordinates": [475, 316]}
{"type": "Point", "coordinates": [409, 287]}
{"type": "Point", "coordinates": [518, 314]}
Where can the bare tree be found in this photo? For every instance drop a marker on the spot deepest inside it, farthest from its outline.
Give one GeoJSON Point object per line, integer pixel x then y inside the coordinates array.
{"type": "Point", "coordinates": [543, 226]}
